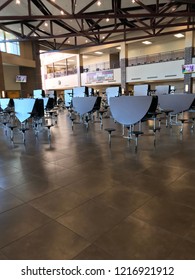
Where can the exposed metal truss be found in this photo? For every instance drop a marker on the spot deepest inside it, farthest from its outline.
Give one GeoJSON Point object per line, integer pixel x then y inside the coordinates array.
{"type": "Point", "coordinates": [70, 24]}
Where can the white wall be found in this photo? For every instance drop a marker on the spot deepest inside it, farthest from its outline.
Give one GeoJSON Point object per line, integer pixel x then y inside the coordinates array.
{"type": "Point", "coordinates": [165, 45]}
{"type": "Point", "coordinates": [171, 70]}
{"type": "Point", "coordinates": [93, 62]}
{"type": "Point", "coordinates": [62, 82]}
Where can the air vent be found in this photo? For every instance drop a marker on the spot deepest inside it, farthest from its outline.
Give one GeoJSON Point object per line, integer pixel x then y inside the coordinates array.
{"type": "Point", "coordinates": [152, 77]}
{"type": "Point", "coordinates": [133, 79]}
{"type": "Point", "coordinates": [166, 76]}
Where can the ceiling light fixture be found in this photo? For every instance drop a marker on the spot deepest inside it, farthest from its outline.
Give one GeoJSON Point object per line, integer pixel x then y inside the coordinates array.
{"type": "Point", "coordinates": [147, 42]}
{"type": "Point", "coordinates": [46, 24]}
{"type": "Point", "coordinates": [98, 52]}
{"type": "Point", "coordinates": [99, 3]}
{"type": "Point", "coordinates": [179, 35]}
{"type": "Point", "coordinates": [118, 48]}
{"type": "Point", "coordinates": [18, 2]}
{"type": "Point", "coordinates": [62, 12]}
{"type": "Point", "coordinates": [107, 20]}
{"type": "Point", "coordinates": [133, 1]}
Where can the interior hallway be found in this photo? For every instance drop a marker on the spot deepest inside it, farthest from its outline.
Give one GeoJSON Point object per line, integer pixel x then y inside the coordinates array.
{"type": "Point", "coordinates": [79, 199]}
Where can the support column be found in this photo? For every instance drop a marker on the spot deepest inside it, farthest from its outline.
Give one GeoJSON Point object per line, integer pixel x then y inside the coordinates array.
{"type": "Point", "coordinates": [188, 60]}
{"type": "Point", "coordinates": [2, 82]}
{"type": "Point", "coordinates": [33, 74]}
{"type": "Point", "coordinates": [36, 57]}
{"type": "Point", "coordinates": [123, 65]}
{"type": "Point", "coordinates": [79, 68]}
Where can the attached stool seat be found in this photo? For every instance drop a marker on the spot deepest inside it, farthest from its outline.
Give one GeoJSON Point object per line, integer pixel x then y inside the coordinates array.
{"type": "Point", "coordinates": [5, 126]}
{"type": "Point", "coordinates": [101, 112]}
{"type": "Point", "coordinates": [72, 118]}
{"type": "Point", "coordinates": [24, 129]}
{"type": "Point", "coordinates": [155, 130]}
{"type": "Point", "coordinates": [49, 132]}
{"type": "Point", "coordinates": [12, 131]}
{"type": "Point", "coordinates": [167, 113]}
{"type": "Point", "coordinates": [109, 130]}
{"type": "Point", "coordinates": [136, 133]}
{"type": "Point", "coordinates": [182, 120]}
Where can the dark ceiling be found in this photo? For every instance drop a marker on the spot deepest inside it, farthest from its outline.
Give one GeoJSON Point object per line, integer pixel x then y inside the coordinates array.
{"type": "Point", "coordinates": [71, 24]}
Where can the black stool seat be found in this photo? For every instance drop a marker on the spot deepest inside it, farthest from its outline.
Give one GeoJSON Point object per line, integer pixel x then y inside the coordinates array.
{"type": "Point", "coordinates": [167, 111]}
{"type": "Point", "coordinates": [109, 130]}
{"type": "Point", "coordinates": [48, 125]}
{"type": "Point", "coordinates": [137, 132]}
{"type": "Point", "coordinates": [156, 129]}
{"type": "Point", "coordinates": [23, 129]}
{"type": "Point", "coordinates": [12, 126]}
{"type": "Point", "coordinates": [183, 120]}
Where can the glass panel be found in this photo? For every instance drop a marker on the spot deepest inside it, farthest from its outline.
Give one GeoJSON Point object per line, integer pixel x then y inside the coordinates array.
{"type": "Point", "coordinates": [2, 45]}
{"type": "Point", "coordinates": [13, 48]}
{"type": "Point", "coordinates": [9, 47]}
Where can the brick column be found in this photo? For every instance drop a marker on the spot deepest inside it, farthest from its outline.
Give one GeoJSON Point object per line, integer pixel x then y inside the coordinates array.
{"type": "Point", "coordinates": [79, 68]}
{"type": "Point", "coordinates": [188, 54]}
{"type": "Point", "coordinates": [36, 57]}
{"type": "Point", "coordinates": [123, 65]}
{"type": "Point", "coordinates": [2, 83]}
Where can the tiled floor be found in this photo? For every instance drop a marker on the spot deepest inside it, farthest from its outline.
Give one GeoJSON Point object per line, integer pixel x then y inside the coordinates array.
{"type": "Point", "coordinates": [78, 198]}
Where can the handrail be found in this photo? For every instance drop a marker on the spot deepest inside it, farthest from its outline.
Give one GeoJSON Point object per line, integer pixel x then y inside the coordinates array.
{"type": "Point", "coordinates": [156, 58]}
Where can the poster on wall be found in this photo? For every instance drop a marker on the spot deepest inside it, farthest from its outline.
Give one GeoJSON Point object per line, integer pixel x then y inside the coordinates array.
{"type": "Point", "coordinates": [188, 68]}
{"type": "Point", "coordinates": [100, 76]}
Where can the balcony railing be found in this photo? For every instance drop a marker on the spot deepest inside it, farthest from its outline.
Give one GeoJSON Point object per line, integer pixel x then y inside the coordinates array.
{"type": "Point", "coordinates": [156, 58]}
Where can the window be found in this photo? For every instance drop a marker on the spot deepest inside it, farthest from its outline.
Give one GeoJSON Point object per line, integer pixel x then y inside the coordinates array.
{"type": "Point", "coordinates": [2, 37]}
{"type": "Point", "coordinates": [9, 47]}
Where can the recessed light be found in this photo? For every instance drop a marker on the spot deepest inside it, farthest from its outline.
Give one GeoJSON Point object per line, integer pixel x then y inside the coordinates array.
{"type": "Point", "coordinates": [147, 42]}
{"type": "Point", "coordinates": [179, 35]}
{"type": "Point", "coordinates": [18, 2]}
{"type": "Point", "coordinates": [46, 24]}
{"type": "Point", "coordinates": [118, 48]}
{"type": "Point", "coordinates": [62, 12]}
{"type": "Point", "coordinates": [107, 20]}
{"type": "Point", "coordinates": [99, 3]}
{"type": "Point", "coordinates": [98, 52]}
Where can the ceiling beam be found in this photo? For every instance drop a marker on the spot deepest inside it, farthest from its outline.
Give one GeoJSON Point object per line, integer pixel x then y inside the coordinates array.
{"type": "Point", "coordinates": [100, 16]}
{"type": "Point", "coordinates": [5, 4]}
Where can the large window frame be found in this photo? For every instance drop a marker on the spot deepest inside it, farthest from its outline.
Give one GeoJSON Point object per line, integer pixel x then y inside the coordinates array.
{"type": "Point", "coordinates": [9, 47]}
